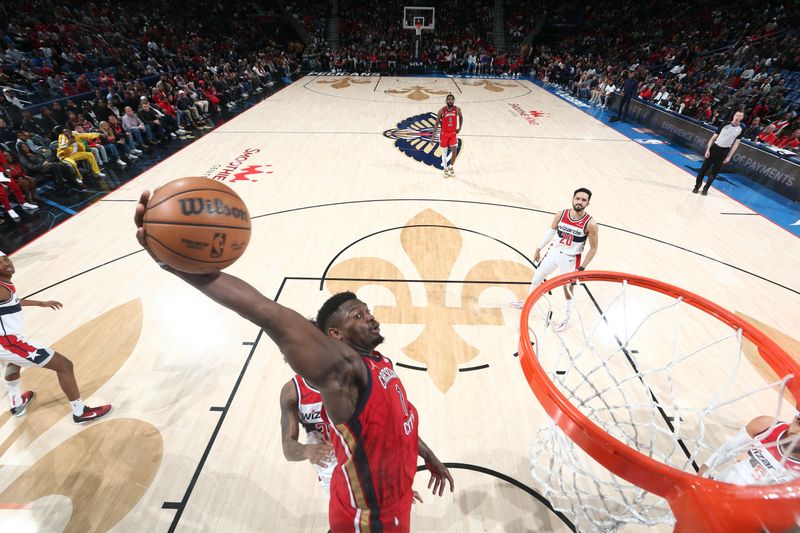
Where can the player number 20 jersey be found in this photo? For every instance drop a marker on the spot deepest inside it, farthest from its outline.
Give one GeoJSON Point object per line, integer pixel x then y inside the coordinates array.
{"type": "Point", "coordinates": [571, 234]}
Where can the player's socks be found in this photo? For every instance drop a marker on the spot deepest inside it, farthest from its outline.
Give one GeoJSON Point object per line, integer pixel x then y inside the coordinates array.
{"type": "Point", "coordinates": [444, 158]}
{"type": "Point", "coordinates": [568, 310]}
{"type": "Point", "coordinates": [14, 392]}
{"type": "Point", "coordinates": [77, 407]}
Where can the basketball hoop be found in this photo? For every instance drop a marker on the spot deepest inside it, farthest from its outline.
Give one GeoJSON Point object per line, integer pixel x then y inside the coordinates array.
{"type": "Point", "coordinates": [418, 27]}
{"type": "Point", "coordinates": [603, 410]}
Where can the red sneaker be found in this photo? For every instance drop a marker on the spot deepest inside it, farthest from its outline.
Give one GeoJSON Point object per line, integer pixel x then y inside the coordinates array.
{"type": "Point", "coordinates": [19, 410]}
{"type": "Point", "coordinates": [91, 413]}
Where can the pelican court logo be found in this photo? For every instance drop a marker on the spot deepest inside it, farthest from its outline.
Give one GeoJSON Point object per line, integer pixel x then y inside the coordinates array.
{"type": "Point", "coordinates": [414, 138]}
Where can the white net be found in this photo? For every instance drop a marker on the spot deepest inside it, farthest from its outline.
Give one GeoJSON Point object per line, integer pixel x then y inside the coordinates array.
{"type": "Point", "coordinates": [662, 377]}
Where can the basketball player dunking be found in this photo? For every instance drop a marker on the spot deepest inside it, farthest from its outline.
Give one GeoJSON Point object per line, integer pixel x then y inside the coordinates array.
{"type": "Point", "coordinates": [573, 227]}
{"type": "Point", "coordinates": [450, 120]}
{"type": "Point", "coordinates": [373, 422]}
{"type": "Point", "coordinates": [301, 405]}
{"type": "Point", "coordinates": [770, 454]}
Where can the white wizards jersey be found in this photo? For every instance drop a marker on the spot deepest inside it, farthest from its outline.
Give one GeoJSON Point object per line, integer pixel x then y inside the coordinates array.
{"type": "Point", "coordinates": [10, 313]}
{"type": "Point", "coordinates": [571, 233]}
{"type": "Point", "coordinates": [309, 411]}
{"type": "Point", "coordinates": [764, 462]}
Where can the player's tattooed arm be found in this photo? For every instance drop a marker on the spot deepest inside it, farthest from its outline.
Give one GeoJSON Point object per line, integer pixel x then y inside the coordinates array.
{"type": "Point", "coordinates": [290, 424]}
{"type": "Point", "coordinates": [318, 454]}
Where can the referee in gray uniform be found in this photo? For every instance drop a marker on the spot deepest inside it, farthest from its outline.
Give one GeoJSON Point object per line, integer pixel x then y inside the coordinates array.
{"type": "Point", "coordinates": [720, 150]}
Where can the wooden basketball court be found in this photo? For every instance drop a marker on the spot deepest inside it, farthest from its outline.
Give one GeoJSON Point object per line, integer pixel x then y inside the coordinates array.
{"type": "Point", "coordinates": [343, 197]}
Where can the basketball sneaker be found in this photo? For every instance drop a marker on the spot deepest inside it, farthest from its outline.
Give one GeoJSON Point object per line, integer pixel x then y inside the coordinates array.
{"type": "Point", "coordinates": [19, 410]}
{"type": "Point", "coordinates": [561, 327]}
{"type": "Point", "coordinates": [518, 304]}
{"type": "Point", "coordinates": [451, 171]}
{"type": "Point", "coordinates": [91, 413]}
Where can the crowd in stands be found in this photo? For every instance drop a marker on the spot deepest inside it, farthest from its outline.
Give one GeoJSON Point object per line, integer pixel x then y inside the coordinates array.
{"type": "Point", "coordinates": [703, 60]}
{"type": "Point", "coordinates": [92, 84]}
{"type": "Point", "coordinates": [374, 40]}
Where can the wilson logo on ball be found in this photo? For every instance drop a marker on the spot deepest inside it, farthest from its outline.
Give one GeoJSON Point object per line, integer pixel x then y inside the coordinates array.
{"type": "Point", "coordinates": [198, 206]}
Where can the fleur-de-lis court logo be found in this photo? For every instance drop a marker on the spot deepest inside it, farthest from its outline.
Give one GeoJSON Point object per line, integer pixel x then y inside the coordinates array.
{"type": "Point", "coordinates": [490, 85]}
{"type": "Point", "coordinates": [103, 469]}
{"type": "Point", "coordinates": [433, 244]}
{"type": "Point", "coordinates": [416, 92]}
{"type": "Point", "coordinates": [343, 83]}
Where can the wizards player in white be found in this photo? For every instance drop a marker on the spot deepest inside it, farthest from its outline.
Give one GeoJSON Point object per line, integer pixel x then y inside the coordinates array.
{"type": "Point", "coordinates": [768, 451]}
{"type": "Point", "coordinates": [301, 405]}
{"type": "Point", "coordinates": [573, 228]}
{"type": "Point", "coordinates": [18, 352]}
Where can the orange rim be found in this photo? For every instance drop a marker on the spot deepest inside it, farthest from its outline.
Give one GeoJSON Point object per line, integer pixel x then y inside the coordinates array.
{"type": "Point", "coordinates": [695, 501]}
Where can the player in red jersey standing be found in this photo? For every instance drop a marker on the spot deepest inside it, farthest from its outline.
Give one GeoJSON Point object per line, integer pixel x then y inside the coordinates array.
{"type": "Point", "coordinates": [376, 441]}
{"type": "Point", "coordinates": [450, 120]}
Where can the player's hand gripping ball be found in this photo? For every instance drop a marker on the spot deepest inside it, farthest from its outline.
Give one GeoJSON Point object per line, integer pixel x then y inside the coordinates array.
{"type": "Point", "coordinates": [196, 225]}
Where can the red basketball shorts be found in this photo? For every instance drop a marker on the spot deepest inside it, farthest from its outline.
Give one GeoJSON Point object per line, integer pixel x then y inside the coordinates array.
{"type": "Point", "coordinates": [447, 139]}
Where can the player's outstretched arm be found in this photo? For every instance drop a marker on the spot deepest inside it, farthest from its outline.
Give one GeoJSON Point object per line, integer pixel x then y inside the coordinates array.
{"type": "Point", "coordinates": [311, 354]}
{"type": "Point", "coordinates": [52, 304]}
{"type": "Point", "coordinates": [735, 444]}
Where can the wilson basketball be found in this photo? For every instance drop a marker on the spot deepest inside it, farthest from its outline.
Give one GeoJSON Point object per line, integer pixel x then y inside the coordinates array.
{"type": "Point", "coordinates": [197, 225]}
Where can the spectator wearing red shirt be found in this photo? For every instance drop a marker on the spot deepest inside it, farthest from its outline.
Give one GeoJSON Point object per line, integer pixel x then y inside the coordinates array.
{"type": "Point", "coordinates": [23, 187]}
{"type": "Point", "coordinates": [761, 109]}
{"type": "Point", "coordinates": [768, 135]}
{"type": "Point", "coordinates": [789, 142]}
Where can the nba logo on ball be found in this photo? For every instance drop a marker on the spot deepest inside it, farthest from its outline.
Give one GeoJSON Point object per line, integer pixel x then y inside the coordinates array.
{"type": "Point", "coordinates": [217, 245]}
{"type": "Point", "coordinates": [197, 225]}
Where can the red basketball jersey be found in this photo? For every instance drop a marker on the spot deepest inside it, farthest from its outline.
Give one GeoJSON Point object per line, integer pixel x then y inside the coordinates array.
{"type": "Point", "coordinates": [376, 451]}
{"type": "Point", "coordinates": [449, 120]}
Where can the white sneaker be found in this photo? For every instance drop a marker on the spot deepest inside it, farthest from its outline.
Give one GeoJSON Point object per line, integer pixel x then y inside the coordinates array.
{"type": "Point", "coordinates": [172, 134]}
{"type": "Point", "coordinates": [518, 304]}
{"type": "Point", "coordinates": [29, 207]}
{"type": "Point", "coordinates": [99, 175]}
{"type": "Point", "coordinates": [560, 328]}
{"type": "Point", "coordinates": [136, 151]}
{"type": "Point", "coordinates": [13, 214]}
{"type": "Point", "coordinates": [122, 163]}
{"type": "Point", "coordinates": [132, 156]}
